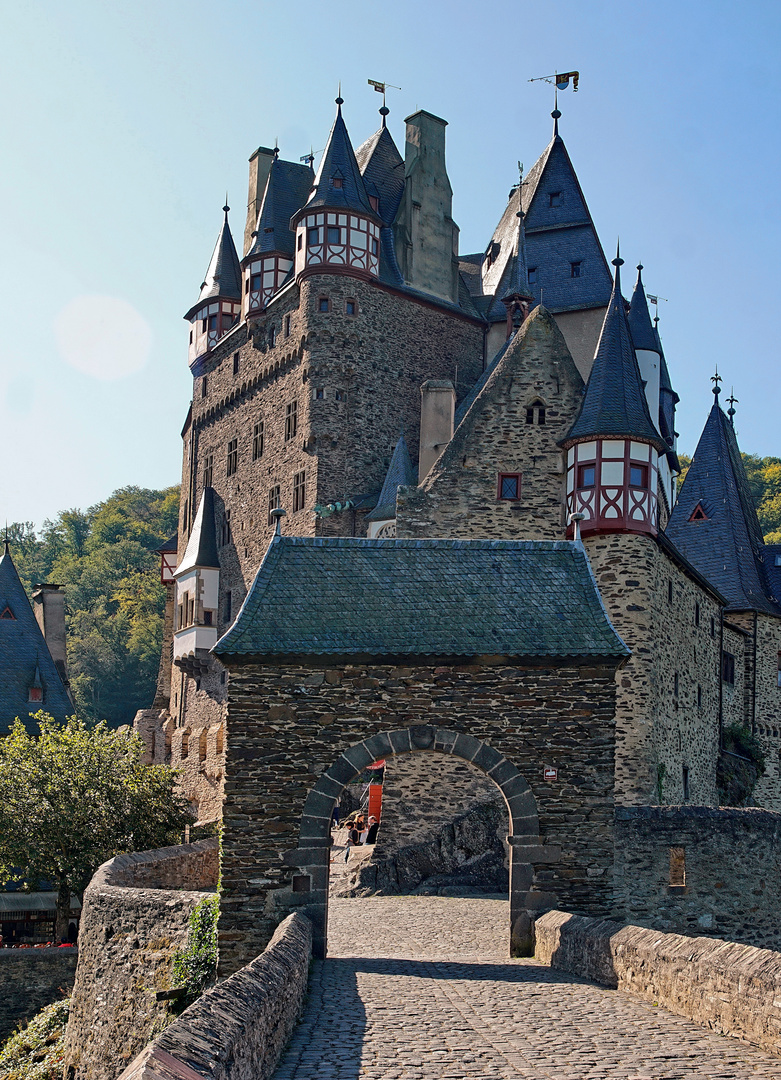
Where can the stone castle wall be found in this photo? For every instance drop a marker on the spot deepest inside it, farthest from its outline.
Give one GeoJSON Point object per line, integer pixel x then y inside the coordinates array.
{"type": "Point", "coordinates": [726, 987]}
{"type": "Point", "coordinates": [730, 871]}
{"type": "Point", "coordinates": [288, 724]}
{"type": "Point", "coordinates": [134, 919]}
{"type": "Point", "coordinates": [237, 1030]}
{"type": "Point", "coordinates": [30, 979]}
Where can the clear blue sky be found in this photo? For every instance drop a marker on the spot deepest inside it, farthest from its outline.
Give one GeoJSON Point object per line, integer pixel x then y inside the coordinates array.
{"type": "Point", "coordinates": [125, 122]}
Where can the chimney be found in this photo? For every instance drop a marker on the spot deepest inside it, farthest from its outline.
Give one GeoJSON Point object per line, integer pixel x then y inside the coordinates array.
{"type": "Point", "coordinates": [426, 235]}
{"type": "Point", "coordinates": [259, 168]}
{"type": "Point", "coordinates": [49, 608]}
{"type": "Point", "coordinates": [437, 410]}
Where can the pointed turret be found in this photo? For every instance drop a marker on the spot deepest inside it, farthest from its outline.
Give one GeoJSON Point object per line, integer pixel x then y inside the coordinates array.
{"type": "Point", "coordinates": [197, 591]}
{"type": "Point", "coordinates": [517, 295]}
{"type": "Point", "coordinates": [382, 519]}
{"type": "Point", "coordinates": [646, 348]}
{"type": "Point", "coordinates": [219, 303]}
{"type": "Point", "coordinates": [29, 679]}
{"type": "Point", "coordinates": [382, 168]}
{"type": "Point", "coordinates": [269, 261]}
{"type": "Point", "coordinates": [714, 523]}
{"type": "Point", "coordinates": [613, 446]}
{"type": "Point", "coordinates": [338, 226]}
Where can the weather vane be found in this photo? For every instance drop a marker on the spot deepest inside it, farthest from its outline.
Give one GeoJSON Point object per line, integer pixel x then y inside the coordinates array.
{"type": "Point", "coordinates": [381, 87]}
{"type": "Point", "coordinates": [561, 82]}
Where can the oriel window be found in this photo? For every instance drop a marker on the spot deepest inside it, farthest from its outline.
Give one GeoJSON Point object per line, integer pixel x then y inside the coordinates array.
{"type": "Point", "coordinates": [587, 476]}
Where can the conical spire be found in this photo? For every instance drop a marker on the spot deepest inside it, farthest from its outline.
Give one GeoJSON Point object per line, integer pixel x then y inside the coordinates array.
{"type": "Point", "coordinates": [640, 326]}
{"type": "Point", "coordinates": [382, 168]}
{"type": "Point", "coordinates": [287, 188]}
{"type": "Point", "coordinates": [223, 278]}
{"type": "Point", "coordinates": [201, 550]}
{"type": "Point", "coordinates": [518, 279]}
{"type": "Point", "coordinates": [339, 183]}
{"type": "Point", "coordinates": [400, 472]}
{"type": "Point", "coordinates": [615, 404]}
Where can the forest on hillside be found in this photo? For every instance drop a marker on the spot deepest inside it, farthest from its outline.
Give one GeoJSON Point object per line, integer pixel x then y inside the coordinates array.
{"type": "Point", "coordinates": [106, 558]}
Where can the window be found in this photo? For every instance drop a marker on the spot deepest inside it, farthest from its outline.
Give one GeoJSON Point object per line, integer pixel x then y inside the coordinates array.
{"type": "Point", "coordinates": [257, 281]}
{"type": "Point", "coordinates": [233, 457]}
{"type": "Point", "coordinates": [208, 470]}
{"type": "Point", "coordinates": [273, 501]}
{"type": "Point", "coordinates": [375, 247]}
{"type": "Point", "coordinates": [287, 326]}
{"type": "Point", "coordinates": [291, 420]}
{"type": "Point", "coordinates": [235, 363]}
{"type": "Point", "coordinates": [334, 234]}
{"type": "Point", "coordinates": [337, 182]}
{"type": "Point", "coordinates": [699, 697]}
{"type": "Point", "coordinates": [350, 307]}
{"type": "Point", "coordinates": [246, 284]}
{"type": "Point", "coordinates": [7, 614]}
{"type": "Point", "coordinates": [554, 199]}
{"type": "Point", "coordinates": [675, 684]}
{"type": "Point", "coordinates": [535, 413]}
{"type": "Point", "coordinates": [532, 272]}
{"type": "Point", "coordinates": [728, 668]}
{"type": "Point", "coordinates": [587, 476]}
{"type": "Point", "coordinates": [299, 491]}
{"type": "Point", "coordinates": [509, 486]}
{"type": "Point", "coordinates": [323, 304]}
{"type": "Point", "coordinates": [685, 778]}
{"type": "Point", "coordinates": [212, 322]}
{"type": "Point", "coordinates": [225, 532]}
{"type": "Point", "coordinates": [207, 618]}
{"type": "Point", "coordinates": [677, 867]}
{"type": "Point", "coordinates": [318, 393]}
{"type": "Point", "coordinates": [341, 395]}
{"type": "Point", "coordinates": [696, 614]}
{"type": "Point", "coordinates": [227, 607]}
{"type": "Point", "coordinates": [698, 514]}
{"type": "Point", "coordinates": [312, 237]}
{"type": "Point", "coordinates": [574, 269]}
{"type": "Point", "coordinates": [185, 744]}
{"type": "Point", "coordinates": [36, 693]}
{"type": "Point", "coordinates": [638, 476]}
{"type": "Point", "coordinates": [272, 336]}
{"type": "Point", "coordinates": [300, 241]}
{"type": "Point", "coordinates": [204, 386]}
{"type": "Point", "coordinates": [202, 745]}
{"type": "Point", "coordinates": [374, 203]}
{"type": "Point", "coordinates": [257, 441]}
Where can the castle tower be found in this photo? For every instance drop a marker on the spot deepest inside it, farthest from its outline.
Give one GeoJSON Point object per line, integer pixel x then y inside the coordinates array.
{"type": "Point", "coordinates": [268, 264]}
{"type": "Point", "coordinates": [613, 446]}
{"type": "Point", "coordinates": [338, 228]}
{"type": "Point", "coordinates": [219, 304]}
{"type": "Point", "coordinates": [197, 592]}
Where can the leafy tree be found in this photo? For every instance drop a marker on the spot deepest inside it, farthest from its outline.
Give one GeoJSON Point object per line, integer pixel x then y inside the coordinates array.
{"type": "Point", "coordinates": [74, 796]}
{"type": "Point", "coordinates": [106, 559]}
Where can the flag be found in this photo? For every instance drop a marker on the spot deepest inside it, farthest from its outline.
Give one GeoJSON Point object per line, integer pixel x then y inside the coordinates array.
{"type": "Point", "coordinates": [378, 86]}
{"type": "Point", "coordinates": [653, 299]}
{"type": "Point", "coordinates": [562, 81]}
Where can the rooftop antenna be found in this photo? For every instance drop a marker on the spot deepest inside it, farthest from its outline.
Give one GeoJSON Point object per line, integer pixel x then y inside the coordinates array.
{"type": "Point", "coordinates": [732, 401]}
{"type": "Point", "coordinates": [381, 87]}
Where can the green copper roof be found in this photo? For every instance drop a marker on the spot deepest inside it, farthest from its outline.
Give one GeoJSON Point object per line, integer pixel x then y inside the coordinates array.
{"type": "Point", "coordinates": [351, 597]}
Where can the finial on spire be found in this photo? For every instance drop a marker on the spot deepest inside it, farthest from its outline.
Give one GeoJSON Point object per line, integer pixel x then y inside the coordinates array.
{"type": "Point", "coordinates": [716, 379]}
{"type": "Point", "coordinates": [6, 551]}
{"type": "Point", "coordinates": [384, 110]}
{"type": "Point", "coordinates": [226, 208]}
{"type": "Point", "coordinates": [339, 98]}
{"type": "Point", "coordinates": [276, 147]}
{"type": "Point", "coordinates": [732, 401]}
{"type": "Point", "coordinates": [618, 261]}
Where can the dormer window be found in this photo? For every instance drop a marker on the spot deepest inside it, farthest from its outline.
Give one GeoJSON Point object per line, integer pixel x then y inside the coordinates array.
{"type": "Point", "coordinates": [532, 272]}
{"type": "Point", "coordinates": [6, 613]}
{"type": "Point", "coordinates": [337, 182]}
{"type": "Point", "coordinates": [554, 199]}
{"type": "Point", "coordinates": [574, 269]}
{"type": "Point", "coordinates": [374, 203]}
{"type": "Point", "coordinates": [698, 514]}
{"type": "Point", "coordinates": [35, 694]}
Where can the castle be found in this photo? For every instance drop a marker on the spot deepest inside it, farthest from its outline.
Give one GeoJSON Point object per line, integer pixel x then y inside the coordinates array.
{"type": "Point", "coordinates": [359, 385]}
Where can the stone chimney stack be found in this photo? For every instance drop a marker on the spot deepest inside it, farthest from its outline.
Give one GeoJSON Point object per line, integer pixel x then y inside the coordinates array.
{"type": "Point", "coordinates": [49, 608]}
{"type": "Point", "coordinates": [426, 235]}
{"type": "Point", "coordinates": [437, 410]}
{"type": "Point", "coordinates": [259, 168]}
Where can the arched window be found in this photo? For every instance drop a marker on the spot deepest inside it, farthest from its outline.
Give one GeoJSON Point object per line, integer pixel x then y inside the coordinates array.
{"type": "Point", "coordinates": [203, 744]}
{"type": "Point", "coordinates": [185, 744]}
{"type": "Point", "coordinates": [535, 413]}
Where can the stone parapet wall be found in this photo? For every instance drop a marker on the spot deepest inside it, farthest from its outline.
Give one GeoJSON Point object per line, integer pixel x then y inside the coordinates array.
{"type": "Point", "coordinates": [134, 920]}
{"type": "Point", "coordinates": [238, 1029]}
{"type": "Point", "coordinates": [730, 988]}
{"type": "Point", "coordinates": [731, 865]}
{"type": "Point", "coordinates": [30, 979]}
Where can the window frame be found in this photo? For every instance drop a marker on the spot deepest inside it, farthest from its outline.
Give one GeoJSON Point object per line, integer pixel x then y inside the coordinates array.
{"type": "Point", "coordinates": [299, 490]}
{"type": "Point", "coordinates": [501, 479]}
{"type": "Point", "coordinates": [575, 268]}
{"type": "Point", "coordinates": [582, 468]}
{"type": "Point", "coordinates": [258, 440]}
{"type": "Point", "coordinates": [232, 457]}
{"type": "Point", "coordinates": [291, 420]}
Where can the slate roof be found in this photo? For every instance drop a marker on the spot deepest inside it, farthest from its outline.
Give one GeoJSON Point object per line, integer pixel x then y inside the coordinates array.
{"type": "Point", "coordinates": [223, 278]}
{"type": "Point", "coordinates": [339, 160]}
{"type": "Point", "coordinates": [614, 404]}
{"type": "Point", "coordinates": [382, 167]}
{"type": "Point", "coordinates": [727, 548]}
{"type": "Point", "coordinates": [287, 188]}
{"type": "Point", "coordinates": [643, 334]}
{"type": "Point", "coordinates": [352, 597]}
{"type": "Point", "coordinates": [400, 472]}
{"type": "Point", "coordinates": [517, 272]}
{"type": "Point", "coordinates": [556, 237]}
{"type": "Point", "coordinates": [25, 659]}
{"type": "Point", "coordinates": [201, 548]}
{"type": "Point", "coordinates": [466, 402]}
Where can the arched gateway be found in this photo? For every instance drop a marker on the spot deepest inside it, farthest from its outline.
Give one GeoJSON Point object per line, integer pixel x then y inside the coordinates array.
{"type": "Point", "coordinates": [346, 651]}
{"type": "Point", "coordinates": [313, 853]}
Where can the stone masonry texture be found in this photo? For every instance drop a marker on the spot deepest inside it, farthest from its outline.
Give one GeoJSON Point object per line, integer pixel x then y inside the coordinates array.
{"type": "Point", "coordinates": [237, 1030]}
{"type": "Point", "coordinates": [30, 979]}
{"type": "Point", "coordinates": [730, 988]}
{"type": "Point", "coordinates": [288, 724]}
{"type": "Point", "coordinates": [134, 919]}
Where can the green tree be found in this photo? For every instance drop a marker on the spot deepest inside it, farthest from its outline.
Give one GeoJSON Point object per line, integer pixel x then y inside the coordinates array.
{"type": "Point", "coordinates": [74, 796]}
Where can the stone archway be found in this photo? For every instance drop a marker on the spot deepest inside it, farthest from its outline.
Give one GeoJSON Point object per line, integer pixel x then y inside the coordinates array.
{"type": "Point", "coordinates": [312, 856]}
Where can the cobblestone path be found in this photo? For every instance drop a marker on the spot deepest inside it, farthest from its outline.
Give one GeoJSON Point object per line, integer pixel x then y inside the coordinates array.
{"type": "Point", "coordinates": [420, 988]}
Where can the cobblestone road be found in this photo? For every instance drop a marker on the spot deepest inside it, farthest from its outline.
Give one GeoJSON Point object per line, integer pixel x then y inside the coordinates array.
{"type": "Point", "coordinates": [420, 988]}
